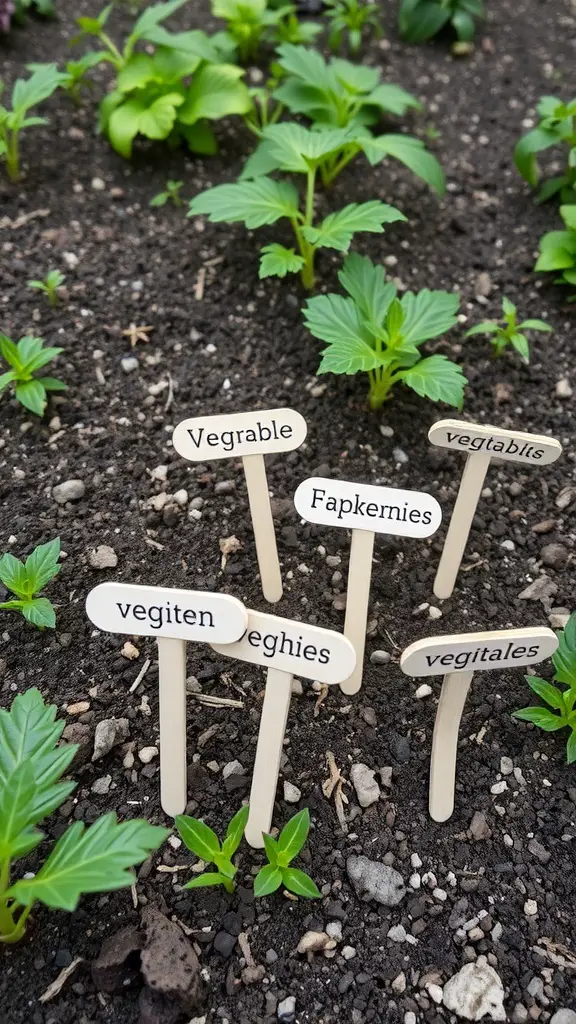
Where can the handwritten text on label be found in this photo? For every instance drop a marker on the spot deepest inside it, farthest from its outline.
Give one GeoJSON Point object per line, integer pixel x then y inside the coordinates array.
{"type": "Point", "coordinates": [470, 652]}
{"type": "Point", "coordinates": [511, 445]}
{"type": "Point", "coordinates": [365, 507]}
{"type": "Point", "coordinates": [240, 433]}
{"type": "Point", "coordinates": [164, 611]}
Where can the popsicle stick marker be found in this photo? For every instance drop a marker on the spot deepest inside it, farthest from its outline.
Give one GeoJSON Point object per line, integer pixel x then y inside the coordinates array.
{"type": "Point", "coordinates": [482, 443]}
{"type": "Point", "coordinates": [366, 510]}
{"type": "Point", "coordinates": [285, 648]}
{"type": "Point", "coordinates": [250, 436]}
{"type": "Point", "coordinates": [462, 655]}
{"type": "Point", "coordinates": [172, 617]}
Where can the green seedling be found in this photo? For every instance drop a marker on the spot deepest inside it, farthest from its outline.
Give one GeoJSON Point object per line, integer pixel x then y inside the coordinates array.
{"type": "Point", "coordinates": [558, 250]}
{"type": "Point", "coordinates": [556, 127]}
{"type": "Point", "coordinates": [280, 854]}
{"type": "Point", "coordinates": [203, 841]}
{"type": "Point", "coordinates": [24, 359]}
{"type": "Point", "coordinates": [83, 860]}
{"type": "Point", "coordinates": [75, 74]}
{"type": "Point", "coordinates": [560, 694]}
{"type": "Point", "coordinates": [507, 331]}
{"type": "Point", "coordinates": [419, 20]}
{"type": "Point", "coordinates": [27, 579]}
{"type": "Point", "coordinates": [252, 22]}
{"type": "Point", "coordinates": [170, 195]}
{"type": "Point", "coordinates": [374, 332]}
{"type": "Point", "coordinates": [52, 282]}
{"type": "Point", "coordinates": [26, 93]}
{"type": "Point", "coordinates": [291, 29]}
{"type": "Point", "coordinates": [349, 20]}
{"type": "Point", "coordinates": [265, 201]}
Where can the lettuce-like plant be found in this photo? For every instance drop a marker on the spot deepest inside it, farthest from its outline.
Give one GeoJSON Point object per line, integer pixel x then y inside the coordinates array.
{"type": "Point", "coordinates": [24, 359]}
{"type": "Point", "coordinates": [265, 201]}
{"type": "Point", "coordinates": [350, 19]}
{"type": "Point", "coordinates": [419, 20]}
{"type": "Point", "coordinates": [26, 93]}
{"type": "Point", "coordinates": [556, 127]}
{"type": "Point", "coordinates": [508, 331]}
{"type": "Point", "coordinates": [27, 579]}
{"type": "Point", "coordinates": [203, 841]}
{"type": "Point", "coordinates": [374, 332]}
{"type": "Point", "coordinates": [560, 694]}
{"type": "Point", "coordinates": [83, 860]}
{"type": "Point", "coordinates": [280, 853]}
{"type": "Point", "coordinates": [558, 250]}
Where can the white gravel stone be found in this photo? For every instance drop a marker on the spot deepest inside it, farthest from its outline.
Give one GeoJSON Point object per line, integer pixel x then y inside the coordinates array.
{"type": "Point", "coordinates": [129, 364]}
{"type": "Point", "coordinates": [399, 984]}
{"type": "Point", "coordinates": [147, 754]}
{"type": "Point", "coordinates": [476, 991]}
{"type": "Point", "coordinates": [440, 894]}
{"type": "Point", "coordinates": [181, 497]}
{"type": "Point", "coordinates": [434, 991]}
{"type": "Point", "coordinates": [70, 490]}
{"type": "Point", "coordinates": [334, 930]}
{"type": "Point", "coordinates": [348, 952]}
{"type": "Point", "coordinates": [102, 786]}
{"type": "Point", "coordinates": [423, 691]}
{"type": "Point", "coordinates": [286, 1009]}
{"type": "Point", "coordinates": [397, 933]}
{"type": "Point", "coordinates": [233, 768]}
{"type": "Point", "coordinates": [434, 613]}
{"type": "Point", "coordinates": [508, 545]}
{"type": "Point", "coordinates": [291, 793]}
{"type": "Point", "coordinates": [499, 787]}
{"type": "Point", "coordinates": [364, 782]}
{"type": "Point", "coordinates": [415, 881]}
{"type": "Point", "coordinates": [530, 908]}
{"type": "Point", "coordinates": [415, 860]}
{"type": "Point", "coordinates": [108, 734]}
{"type": "Point", "coordinates": [506, 765]}
{"type": "Point", "coordinates": [103, 557]}
{"type": "Point", "coordinates": [563, 390]}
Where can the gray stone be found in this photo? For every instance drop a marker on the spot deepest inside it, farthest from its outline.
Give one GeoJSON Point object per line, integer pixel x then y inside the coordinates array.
{"type": "Point", "coordinates": [287, 1010]}
{"type": "Point", "coordinates": [103, 557]}
{"type": "Point", "coordinates": [367, 789]}
{"type": "Point", "coordinates": [70, 490]}
{"type": "Point", "coordinates": [539, 851]}
{"type": "Point", "coordinates": [397, 933]}
{"type": "Point", "coordinates": [233, 768]}
{"type": "Point", "coordinates": [476, 991]}
{"type": "Point", "coordinates": [373, 880]}
{"type": "Point", "coordinates": [129, 364]}
{"type": "Point", "coordinates": [479, 828]}
{"type": "Point", "coordinates": [102, 786]}
{"type": "Point", "coordinates": [554, 555]}
{"type": "Point", "coordinates": [109, 733]}
{"type": "Point", "coordinates": [291, 793]}
{"type": "Point", "coordinates": [541, 589]}
{"type": "Point", "coordinates": [564, 1016]}
{"type": "Point", "coordinates": [225, 487]}
{"type": "Point", "coordinates": [379, 658]}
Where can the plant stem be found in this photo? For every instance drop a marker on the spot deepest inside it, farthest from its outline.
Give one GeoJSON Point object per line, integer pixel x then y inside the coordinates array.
{"type": "Point", "coordinates": [12, 156]}
{"type": "Point", "coordinates": [349, 153]}
{"type": "Point", "coordinates": [307, 250]}
{"type": "Point", "coordinates": [117, 58]}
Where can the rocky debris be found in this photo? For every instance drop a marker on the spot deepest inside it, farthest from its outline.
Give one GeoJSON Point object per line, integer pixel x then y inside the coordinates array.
{"type": "Point", "coordinates": [563, 389]}
{"type": "Point", "coordinates": [103, 557]}
{"type": "Point", "coordinates": [70, 490]}
{"type": "Point", "coordinates": [364, 782]}
{"type": "Point", "coordinates": [102, 786]}
{"type": "Point", "coordinates": [479, 828]}
{"type": "Point", "coordinates": [287, 1010]}
{"type": "Point", "coordinates": [386, 776]}
{"type": "Point", "coordinates": [564, 1016]}
{"type": "Point", "coordinates": [315, 942]}
{"type": "Point", "coordinates": [170, 966]}
{"type": "Point", "coordinates": [424, 690]}
{"type": "Point", "coordinates": [541, 589]}
{"type": "Point", "coordinates": [373, 880]}
{"type": "Point", "coordinates": [129, 364]}
{"type": "Point", "coordinates": [554, 555]}
{"type": "Point", "coordinates": [109, 733]}
{"type": "Point", "coordinates": [379, 658]}
{"type": "Point", "coordinates": [291, 793]}
{"type": "Point", "coordinates": [530, 908]}
{"type": "Point", "coordinates": [233, 768]}
{"type": "Point", "coordinates": [476, 991]}
{"type": "Point", "coordinates": [118, 966]}
{"type": "Point", "coordinates": [539, 851]}
{"type": "Point", "coordinates": [147, 754]}
{"type": "Point", "coordinates": [81, 735]}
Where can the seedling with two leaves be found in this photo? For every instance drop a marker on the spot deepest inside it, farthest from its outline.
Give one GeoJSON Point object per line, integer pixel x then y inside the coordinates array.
{"type": "Point", "coordinates": [24, 359]}
{"type": "Point", "coordinates": [507, 331]}
{"type": "Point", "coordinates": [83, 860]}
{"type": "Point", "coordinates": [419, 20]}
{"type": "Point", "coordinates": [374, 332]}
{"type": "Point", "coordinates": [203, 841]}
{"type": "Point", "coordinates": [280, 853]}
{"type": "Point", "coordinates": [75, 75]}
{"type": "Point", "coordinates": [556, 127]}
{"type": "Point", "coordinates": [170, 195]}
{"type": "Point", "coordinates": [349, 20]}
{"type": "Point", "coordinates": [265, 201]}
{"type": "Point", "coordinates": [560, 694]}
{"type": "Point", "coordinates": [52, 282]}
{"type": "Point", "coordinates": [27, 579]}
{"type": "Point", "coordinates": [26, 93]}
{"type": "Point", "coordinates": [558, 250]}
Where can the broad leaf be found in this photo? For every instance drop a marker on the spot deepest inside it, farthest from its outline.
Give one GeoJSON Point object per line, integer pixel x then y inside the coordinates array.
{"type": "Point", "coordinates": [267, 880]}
{"type": "Point", "coordinates": [38, 359]}
{"type": "Point", "coordinates": [337, 320]}
{"type": "Point", "coordinates": [564, 660]}
{"type": "Point", "coordinates": [16, 797]}
{"type": "Point", "coordinates": [235, 831]}
{"type": "Point", "coordinates": [436, 378]}
{"type": "Point", "coordinates": [32, 396]}
{"type": "Point", "coordinates": [527, 148]}
{"type": "Point", "coordinates": [277, 261]}
{"type": "Point", "coordinates": [198, 837]}
{"type": "Point", "coordinates": [122, 124]}
{"type": "Point", "coordinates": [262, 161]}
{"type": "Point", "coordinates": [52, 384]}
{"type": "Point", "coordinates": [14, 575]}
{"type": "Point", "coordinates": [569, 633]}
{"type": "Point", "coordinates": [568, 214]}
{"type": "Point", "coordinates": [216, 91]}
{"type": "Point", "coordinates": [157, 121]}
{"type": "Point", "coordinates": [6, 379]}
{"type": "Point", "coordinates": [254, 202]}
{"type": "Point", "coordinates": [300, 883]}
{"type": "Point", "coordinates": [366, 283]}
{"type": "Point", "coordinates": [9, 351]}
{"type": "Point", "coordinates": [136, 73]}
{"type": "Point", "coordinates": [428, 314]}
{"type": "Point", "coordinates": [306, 64]}
{"type": "Point", "coordinates": [207, 879]}
{"type": "Point", "coordinates": [152, 16]}
{"type": "Point", "coordinates": [271, 847]}
{"type": "Point", "coordinates": [541, 717]}
{"type": "Point", "coordinates": [463, 25]}
{"type": "Point", "coordinates": [40, 612]}
{"type": "Point", "coordinates": [571, 748]}
{"type": "Point", "coordinates": [420, 21]}
{"type": "Point", "coordinates": [410, 151]}
{"type": "Point", "coordinates": [41, 84]}
{"type": "Point", "coordinates": [293, 837]}
{"type": "Point", "coordinates": [338, 229]}
{"type": "Point", "coordinates": [296, 148]}
{"type": "Point", "coordinates": [549, 693]}
{"type": "Point", "coordinates": [200, 137]}
{"type": "Point", "coordinates": [520, 343]}
{"type": "Point", "coordinates": [392, 99]}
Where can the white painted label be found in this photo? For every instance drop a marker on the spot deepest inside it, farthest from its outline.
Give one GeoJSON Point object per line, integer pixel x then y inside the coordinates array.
{"type": "Point", "coordinates": [478, 652]}
{"type": "Point", "coordinates": [164, 611]}
{"type": "Point", "coordinates": [241, 433]}
{"type": "Point", "coordinates": [293, 647]}
{"type": "Point", "coordinates": [365, 507]}
{"type": "Point", "coordinates": [511, 445]}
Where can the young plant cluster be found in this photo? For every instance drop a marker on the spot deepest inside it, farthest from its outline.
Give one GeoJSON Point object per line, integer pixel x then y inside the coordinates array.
{"type": "Point", "coordinates": [420, 20]}
{"type": "Point", "coordinates": [560, 694]}
{"type": "Point", "coordinates": [26, 579]}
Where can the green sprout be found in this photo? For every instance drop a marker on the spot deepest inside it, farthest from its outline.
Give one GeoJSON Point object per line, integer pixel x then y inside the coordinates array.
{"type": "Point", "coordinates": [50, 285]}
{"type": "Point", "coordinates": [560, 694]}
{"type": "Point", "coordinates": [24, 359]}
{"type": "Point", "coordinates": [280, 853]}
{"type": "Point", "coordinates": [349, 19]}
{"type": "Point", "coordinates": [26, 93]}
{"type": "Point", "coordinates": [203, 841]}
{"type": "Point", "coordinates": [27, 579]}
{"type": "Point", "coordinates": [507, 331]}
{"type": "Point", "coordinates": [558, 250]}
{"type": "Point", "coordinates": [556, 127]}
{"type": "Point", "coordinates": [170, 195]}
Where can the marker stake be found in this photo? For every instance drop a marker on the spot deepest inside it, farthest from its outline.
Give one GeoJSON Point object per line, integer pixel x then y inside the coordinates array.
{"type": "Point", "coordinates": [357, 598]}
{"type": "Point", "coordinates": [264, 534]}
{"type": "Point", "coordinates": [172, 702]}
{"type": "Point", "coordinates": [268, 755]}
{"type": "Point", "coordinates": [445, 744]}
{"type": "Point", "coordinates": [467, 500]}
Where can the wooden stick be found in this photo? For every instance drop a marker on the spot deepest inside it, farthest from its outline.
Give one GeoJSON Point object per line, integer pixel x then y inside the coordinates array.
{"type": "Point", "coordinates": [268, 754]}
{"type": "Point", "coordinates": [172, 686]}
{"type": "Point", "coordinates": [357, 597]}
{"type": "Point", "coordinates": [264, 535]}
{"type": "Point", "coordinates": [445, 744]}
{"type": "Point", "coordinates": [457, 537]}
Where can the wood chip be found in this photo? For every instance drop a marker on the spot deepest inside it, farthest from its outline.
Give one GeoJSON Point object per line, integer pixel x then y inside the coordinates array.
{"type": "Point", "coordinates": [320, 699]}
{"type": "Point", "coordinates": [58, 984]}
{"type": "Point", "coordinates": [140, 676]}
{"type": "Point", "coordinates": [199, 286]}
{"type": "Point", "coordinates": [211, 701]}
{"type": "Point", "coordinates": [23, 219]}
{"type": "Point", "coordinates": [333, 787]}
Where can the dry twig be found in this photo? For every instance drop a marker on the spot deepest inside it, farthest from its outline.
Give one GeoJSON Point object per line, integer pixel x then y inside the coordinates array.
{"type": "Point", "coordinates": [57, 985]}
{"type": "Point", "coordinates": [333, 787]}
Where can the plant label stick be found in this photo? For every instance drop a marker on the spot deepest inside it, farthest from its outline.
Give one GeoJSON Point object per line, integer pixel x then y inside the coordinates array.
{"type": "Point", "coordinates": [172, 617]}
{"type": "Point", "coordinates": [458, 657]}
{"type": "Point", "coordinates": [366, 510]}
{"type": "Point", "coordinates": [482, 443]}
{"type": "Point", "coordinates": [250, 436]}
{"type": "Point", "coordinates": [285, 648]}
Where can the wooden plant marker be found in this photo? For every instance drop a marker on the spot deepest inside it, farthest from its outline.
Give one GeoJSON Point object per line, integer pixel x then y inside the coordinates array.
{"type": "Point", "coordinates": [366, 510]}
{"type": "Point", "coordinates": [285, 648]}
{"type": "Point", "coordinates": [251, 436]}
{"type": "Point", "coordinates": [482, 443]}
{"type": "Point", "coordinates": [172, 617]}
{"type": "Point", "coordinates": [459, 656]}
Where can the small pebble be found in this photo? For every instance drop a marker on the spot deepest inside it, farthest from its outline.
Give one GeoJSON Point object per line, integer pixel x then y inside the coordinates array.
{"type": "Point", "coordinates": [379, 658]}
{"type": "Point", "coordinates": [147, 754]}
{"type": "Point", "coordinates": [530, 908]}
{"type": "Point", "coordinates": [423, 691]}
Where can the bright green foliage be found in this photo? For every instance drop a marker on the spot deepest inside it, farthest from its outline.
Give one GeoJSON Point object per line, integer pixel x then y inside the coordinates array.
{"type": "Point", "coordinates": [375, 332]}
{"type": "Point", "coordinates": [419, 20]}
{"type": "Point", "coordinates": [559, 695]}
{"type": "Point", "coordinates": [50, 285]}
{"type": "Point", "coordinates": [251, 22]}
{"type": "Point", "coordinates": [172, 194]}
{"type": "Point", "coordinates": [265, 201]}
{"type": "Point", "coordinates": [291, 29]}
{"type": "Point", "coordinates": [26, 93]}
{"type": "Point", "coordinates": [201, 840]}
{"type": "Point", "coordinates": [348, 19]}
{"type": "Point", "coordinates": [280, 853]}
{"type": "Point", "coordinates": [558, 250]}
{"type": "Point", "coordinates": [94, 859]}
{"type": "Point", "coordinates": [556, 127]}
{"type": "Point", "coordinates": [75, 74]}
{"type": "Point", "coordinates": [24, 359]}
{"type": "Point", "coordinates": [507, 331]}
{"type": "Point", "coordinates": [27, 579]}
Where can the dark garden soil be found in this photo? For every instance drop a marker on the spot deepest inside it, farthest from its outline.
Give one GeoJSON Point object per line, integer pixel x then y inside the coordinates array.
{"type": "Point", "coordinates": [220, 341]}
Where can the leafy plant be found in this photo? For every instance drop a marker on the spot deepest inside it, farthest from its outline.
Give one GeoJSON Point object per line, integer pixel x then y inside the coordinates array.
{"type": "Point", "coordinates": [556, 127]}
{"type": "Point", "coordinates": [83, 860]}
{"type": "Point", "coordinates": [419, 20]}
{"type": "Point", "coordinates": [26, 93]}
{"type": "Point", "coordinates": [251, 22]}
{"type": "Point", "coordinates": [558, 250]}
{"type": "Point", "coordinates": [265, 201]}
{"type": "Point", "coordinates": [507, 331]}
{"type": "Point", "coordinates": [291, 29]}
{"type": "Point", "coordinates": [203, 841]}
{"type": "Point", "coordinates": [374, 332]}
{"type": "Point", "coordinates": [25, 358]}
{"type": "Point", "coordinates": [280, 853]}
{"type": "Point", "coordinates": [560, 694]}
{"type": "Point", "coordinates": [75, 74]}
{"type": "Point", "coordinates": [171, 194]}
{"type": "Point", "coordinates": [27, 579]}
{"type": "Point", "coordinates": [339, 94]}
{"type": "Point", "coordinates": [349, 19]}
{"type": "Point", "coordinates": [50, 285]}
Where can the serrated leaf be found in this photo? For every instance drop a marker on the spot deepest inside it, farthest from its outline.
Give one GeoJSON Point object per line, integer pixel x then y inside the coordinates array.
{"type": "Point", "coordinates": [15, 800]}
{"type": "Point", "coordinates": [27, 92]}
{"type": "Point", "coordinates": [392, 99]}
{"type": "Point", "coordinates": [277, 261]}
{"type": "Point", "coordinates": [136, 73]}
{"type": "Point", "coordinates": [338, 229]}
{"type": "Point", "coordinates": [366, 283]}
{"type": "Point", "coordinates": [547, 691]}
{"type": "Point", "coordinates": [42, 565]}
{"type": "Point", "coordinates": [40, 612]}
{"type": "Point", "coordinates": [152, 16]}
{"type": "Point", "coordinates": [428, 314]}
{"type": "Point", "coordinates": [262, 161]}
{"type": "Point", "coordinates": [207, 879]}
{"type": "Point", "coordinates": [122, 124]}
{"type": "Point", "coordinates": [409, 151]}
{"type": "Point", "coordinates": [259, 202]}
{"type": "Point", "coordinates": [336, 320]}
{"type": "Point", "coordinates": [358, 78]}
{"type": "Point", "coordinates": [306, 64]}
{"type": "Point", "coordinates": [294, 835]}
{"type": "Point", "coordinates": [297, 149]}
{"type": "Point", "coordinates": [197, 837]}
{"type": "Point", "coordinates": [216, 91]}
{"type": "Point", "coordinates": [436, 378]}
{"type": "Point", "coordinates": [268, 880]}
{"type": "Point", "coordinates": [541, 717]}
{"type": "Point", "coordinates": [300, 883]}
{"type": "Point", "coordinates": [235, 831]}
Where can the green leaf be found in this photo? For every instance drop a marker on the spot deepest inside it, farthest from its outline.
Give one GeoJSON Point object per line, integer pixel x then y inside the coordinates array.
{"type": "Point", "coordinates": [52, 384]}
{"type": "Point", "coordinates": [208, 878]}
{"type": "Point", "coordinates": [15, 800]}
{"type": "Point", "coordinates": [557, 258]}
{"type": "Point", "coordinates": [14, 575]}
{"type": "Point", "coordinates": [216, 91]}
{"type": "Point", "coordinates": [564, 660]}
{"type": "Point", "coordinates": [277, 261]}
{"type": "Point", "coordinates": [568, 214]}
{"type": "Point", "coordinates": [337, 320]}
{"type": "Point", "coordinates": [200, 138]}
{"type": "Point", "coordinates": [509, 310]}
{"type": "Point", "coordinates": [197, 837]}
{"type": "Point", "coordinates": [306, 64]}
{"type": "Point", "coordinates": [136, 73]}
{"type": "Point", "coordinates": [547, 691]}
{"type": "Point", "coordinates": [297, 149]}
{"type": "Point", "coordinates": [338, 229]}
{"type": "Point", "coordinates": [410, 151]}
{"type": "Point", "coordinates": [569, 633]}
{"type": "Point", "coordinates": [486, 327]}
{"type": "Point", "coordinates": [268, 879]}
{"type": "Point", "coordinates": [392, 99]}
{"type": "Point", "coordinates": [535, 325]}
{"type": "Point", "coordinates": [271, 847]}
{"type": "Point", "coordinates": [94, 859]}
{"type": "Point", "coordinates": [526, 149]}
{"type": "Point", "coordinates": [463, 25]}
{"type": "Point", "coordinates": [152, 16]}
{"type": "Point", "coordinates": [40, 612]}
{"type": "Point", "coordinates": [41, 84]}
{"type": "Point", "coordinates": [122, 125]}
{"type": "Point", "coordinates": [254, 202]}
{"type": "Point", "coordinates": [6, 379]}
{"type": "Point", "coordinates": [299, 882]}
{"type": "Point", "coordinates": [32, 396]}
{"type": "Point", "coordinates": [541, 717]}
{"type": "Point", "coordinates": [571, 747]}
{"type": "Point", "coordinates": [428, 314]}
{"type": "Point", "coordinates": [366, 283]}
{"type": "Point", "coordinates": [293, 836]}
{"type": "Point", "coordinates": [9, 351]}
{"type": "Point", "coordinates": [235, 831]}
{"type": "Point", "coordinates": [420, 21]}
{"type": "Point", "coordinates": [157, 121]}
{"type": "Point", "coordinates": [521, 345]}
{"type": "Point", "coordinates": [260, 162]}
{"type": "Point", "coordinates": [436, 378]}
{"type": "Point", "coordinates": [171, 66]}
{"type": "Point", "coordinates": [38, 359]}
{"type": "Point", "coordinates": [42, 565]}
